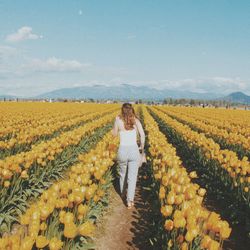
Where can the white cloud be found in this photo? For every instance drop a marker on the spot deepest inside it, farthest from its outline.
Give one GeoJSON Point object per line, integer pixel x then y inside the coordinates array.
{"type": "Point", "coordinates": [24, 33]}
{"type": "Point", "coordinates": [54, 64]}
{"type": "Point", "coordinates": [215, 84]}
{"type": "Point", "coordinates": [80, 12]}
{"type": "Point", "coordinates": [38, 83]}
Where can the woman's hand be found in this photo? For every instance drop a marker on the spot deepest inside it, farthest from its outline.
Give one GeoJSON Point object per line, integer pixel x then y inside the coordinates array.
{"type": "Point", "coordinates": [141, 149]}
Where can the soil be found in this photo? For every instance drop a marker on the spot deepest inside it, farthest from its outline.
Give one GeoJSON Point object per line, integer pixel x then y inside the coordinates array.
{"type": "Point", "coordinates": [122, 228]}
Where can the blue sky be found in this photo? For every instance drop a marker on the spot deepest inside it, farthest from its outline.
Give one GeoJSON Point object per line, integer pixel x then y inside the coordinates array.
{"type": "Point", "coordinates": [193, 45]}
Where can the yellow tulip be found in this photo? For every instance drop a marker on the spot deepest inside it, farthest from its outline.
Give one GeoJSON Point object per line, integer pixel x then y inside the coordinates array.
{"type": "Point", "coordinates": [27, 243]}
{"type": "Point", "coordinates": [169, 225]}
{"type": "Point", "coordinates": [86, 229]}
{"type": "Point", "coordinates": [70, 230]}
{"type": "Point", "coordinates": [41, 241]}
{"type": "Point", "coordinates": [55, 244]}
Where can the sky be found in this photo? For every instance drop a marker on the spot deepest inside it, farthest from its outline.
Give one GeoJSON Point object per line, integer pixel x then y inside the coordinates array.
{"type": "Point", "coordinates": [195, 45]}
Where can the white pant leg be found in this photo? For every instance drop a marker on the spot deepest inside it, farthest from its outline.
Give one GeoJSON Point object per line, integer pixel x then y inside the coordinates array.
{"type": "Point", "coordinates": [133, 165]}
{"type": "Point", "coordinates": [123, 165]}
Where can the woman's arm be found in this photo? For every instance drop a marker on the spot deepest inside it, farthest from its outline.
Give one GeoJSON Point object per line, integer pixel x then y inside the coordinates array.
{"type": "Point", "coordinates": [141, 133]}
{"type": "Point", "coordinates": [115, 127]}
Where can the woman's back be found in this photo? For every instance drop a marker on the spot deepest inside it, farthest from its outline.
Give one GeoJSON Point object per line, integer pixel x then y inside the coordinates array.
{"type": "Point", "coordinates": [127, 137]}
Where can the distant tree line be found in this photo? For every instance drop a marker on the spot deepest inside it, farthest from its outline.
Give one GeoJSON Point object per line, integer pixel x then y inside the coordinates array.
{"type": "Point", "coordinates": [198, 102]}
{"type": "Point", "coordinates": [168, 101]}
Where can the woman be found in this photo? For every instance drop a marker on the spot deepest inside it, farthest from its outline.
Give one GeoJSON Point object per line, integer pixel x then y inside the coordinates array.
{"type": "Point", "coordinates": [128, 126]}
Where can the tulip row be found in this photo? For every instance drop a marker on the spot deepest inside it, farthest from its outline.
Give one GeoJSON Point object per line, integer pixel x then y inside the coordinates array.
{"type": "Point", "coordinates": [19, 117]}
{"type": "Point", "coordinates": [211, 129]}
{"type": "Point", "coordinates": [34, 129]}
{"type": "Point", "coordinates": [16, 116]}
{"type": "Point", "coordinates": [187, 223]}
{"type": "Point", "coordinates": [20, 191]}
{"type": "Point", "coordinates": [31, 134]}
{"type": "Point", "coordinates": [44, 152]}
{"type": "Point", "coordinates": [63, 217]}
{"type": "Point", "coordinates": [235, 172]}
{"type": "Point", "coordinates": [235, 121]}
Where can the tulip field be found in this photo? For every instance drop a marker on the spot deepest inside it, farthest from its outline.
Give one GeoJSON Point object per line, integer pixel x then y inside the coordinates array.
{"type": "Point", "coordinates": [57, 163]}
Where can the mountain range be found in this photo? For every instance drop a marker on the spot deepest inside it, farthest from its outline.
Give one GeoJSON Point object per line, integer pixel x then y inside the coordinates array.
{"type": "Point", "coordinates": [238, 97]}
{"type": "Point", "coordinates": [129, 92]}
{"type": "Point", "coordinates": [124, 92]}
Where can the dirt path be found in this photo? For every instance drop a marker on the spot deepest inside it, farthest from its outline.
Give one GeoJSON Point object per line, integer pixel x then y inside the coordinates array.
{"type": "Point", "coordinates": [126, 229]}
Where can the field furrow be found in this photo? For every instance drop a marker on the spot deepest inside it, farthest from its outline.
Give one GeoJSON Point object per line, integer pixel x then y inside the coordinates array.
{"type": "Point", "coordinates": [228, 140]}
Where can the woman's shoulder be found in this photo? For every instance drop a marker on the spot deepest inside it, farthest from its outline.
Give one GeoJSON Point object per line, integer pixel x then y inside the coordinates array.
{"type": "Point", "coordinates": [137, 120]}
{"type": "Point", "coordinates": [118, 120]}
{"type": "Point", "coordinates": [118, 117]}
